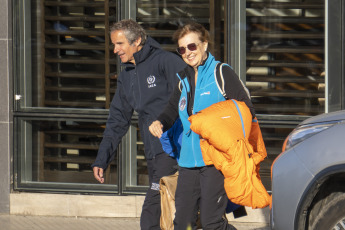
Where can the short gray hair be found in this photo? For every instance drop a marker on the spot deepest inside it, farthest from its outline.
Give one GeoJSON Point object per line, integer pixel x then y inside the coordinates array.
{"type": "Point", "coordinates": [131, 29]}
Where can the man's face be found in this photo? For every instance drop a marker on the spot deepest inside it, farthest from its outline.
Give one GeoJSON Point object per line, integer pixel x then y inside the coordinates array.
{"type": "Point", "coordinates": [123, 48]}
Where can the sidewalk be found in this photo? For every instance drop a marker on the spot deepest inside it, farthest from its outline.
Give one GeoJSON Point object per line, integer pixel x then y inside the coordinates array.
{"type": "Point", "coordinates": [17, 222]}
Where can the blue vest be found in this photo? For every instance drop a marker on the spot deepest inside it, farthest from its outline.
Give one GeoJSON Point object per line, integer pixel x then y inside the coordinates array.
{"type": "Point", "coordinates": [206, 94]}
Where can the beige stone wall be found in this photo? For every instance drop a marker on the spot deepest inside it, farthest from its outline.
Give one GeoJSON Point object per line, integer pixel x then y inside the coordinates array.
{"type": "Point", "coordinates": [96, 206]}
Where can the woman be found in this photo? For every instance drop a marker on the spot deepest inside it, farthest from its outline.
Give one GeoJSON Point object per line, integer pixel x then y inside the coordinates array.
{"type": "Point", "coordinates": [199, 187]}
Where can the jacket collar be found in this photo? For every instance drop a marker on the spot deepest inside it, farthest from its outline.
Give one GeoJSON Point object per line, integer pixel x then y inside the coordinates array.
{"type": "Point", "coordinates": [189, 70]}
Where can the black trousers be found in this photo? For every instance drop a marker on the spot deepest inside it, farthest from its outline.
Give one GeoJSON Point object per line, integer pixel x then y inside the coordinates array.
{"type": "Point", "coordinates": [200, 189]}
{"type": "Point", "coordinates": [161, 165]}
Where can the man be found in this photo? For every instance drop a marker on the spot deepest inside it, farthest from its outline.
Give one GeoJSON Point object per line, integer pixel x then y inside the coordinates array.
{"type": "Point", "coordinates": [145, 86]}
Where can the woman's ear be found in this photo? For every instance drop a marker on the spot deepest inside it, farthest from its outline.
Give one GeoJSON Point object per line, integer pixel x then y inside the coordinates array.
{"type": "Point", "coordinates": [205, 45]}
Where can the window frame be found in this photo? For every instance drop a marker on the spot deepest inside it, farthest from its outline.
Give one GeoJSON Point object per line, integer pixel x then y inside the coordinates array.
{"type": "Point", "coordinates": [234, 52]}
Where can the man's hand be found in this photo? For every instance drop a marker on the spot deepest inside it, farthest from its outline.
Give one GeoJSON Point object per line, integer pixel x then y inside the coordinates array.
{"type": "Point", "coordinates": [98, 174]}
{"type": "Point", "coordinates": [156, 129]}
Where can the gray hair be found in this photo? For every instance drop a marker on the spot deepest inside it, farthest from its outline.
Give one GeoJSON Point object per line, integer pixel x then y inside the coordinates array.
{"type": "Point", "coordinates": [131, 29]}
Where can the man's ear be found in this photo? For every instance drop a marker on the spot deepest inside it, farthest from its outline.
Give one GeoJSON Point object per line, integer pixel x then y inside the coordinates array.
{"type": "Point", "coordinates": [137, 42]}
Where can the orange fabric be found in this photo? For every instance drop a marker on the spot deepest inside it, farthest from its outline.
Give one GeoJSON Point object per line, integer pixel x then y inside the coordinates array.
{"type": "Point", "coordinates": [238, 156]}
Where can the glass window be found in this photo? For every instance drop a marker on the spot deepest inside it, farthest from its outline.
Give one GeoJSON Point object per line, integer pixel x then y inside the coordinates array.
{"type": "Point", "coordinates": [65, 60]}
{"type": "Point", "coordinates": [64, 65]}
{"type": "Point", "coordinates": [69, 61]}
{"type": "Point", "coordinates": [284, 66]}
{"type": "Point", "coordinates": [135, 175]}
{"type": "Point", "coordinates": [162, 18]}
{"type": "Point", "coordinates": [285, 56]}
{"type": "Point", "coordinates": [65, 74]}
{"type": "Point", "coordinates": [60, 152]}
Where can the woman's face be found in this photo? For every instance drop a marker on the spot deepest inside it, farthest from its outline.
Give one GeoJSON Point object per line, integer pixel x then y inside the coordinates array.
{"type": "Point", "coordinates": [192, 57]}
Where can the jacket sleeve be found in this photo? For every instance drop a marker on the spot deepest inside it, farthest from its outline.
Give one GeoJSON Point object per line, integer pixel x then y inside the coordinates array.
{"type": "Point", "coordinates": [234, 88]}
{"type": "Point", "coordinates": [118, 122]}
{"type": "Point", "coordinates": [170, 112]}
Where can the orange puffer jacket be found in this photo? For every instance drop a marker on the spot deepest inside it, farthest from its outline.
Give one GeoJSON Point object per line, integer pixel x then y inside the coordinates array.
{"type": "Point", "coordinates": [232, 141]}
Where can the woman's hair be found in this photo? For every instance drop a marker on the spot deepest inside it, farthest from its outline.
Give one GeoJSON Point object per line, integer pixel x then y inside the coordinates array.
{"type": "Point", "coordinates": [131, 29]}
{"type": "Point", "coordinates": [194, 27]}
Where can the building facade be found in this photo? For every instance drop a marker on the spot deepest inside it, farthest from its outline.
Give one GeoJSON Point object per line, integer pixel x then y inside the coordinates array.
{"type": "Point", "coordinates": [59, 75]}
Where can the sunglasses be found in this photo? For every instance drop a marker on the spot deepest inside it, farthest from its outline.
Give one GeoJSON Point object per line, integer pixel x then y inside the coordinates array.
{"type": "Point", "coordinates": [182, 50]}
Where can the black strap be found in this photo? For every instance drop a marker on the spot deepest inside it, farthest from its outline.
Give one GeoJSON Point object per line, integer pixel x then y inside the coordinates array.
{"type": "Point", "coordinates": [218, 73]}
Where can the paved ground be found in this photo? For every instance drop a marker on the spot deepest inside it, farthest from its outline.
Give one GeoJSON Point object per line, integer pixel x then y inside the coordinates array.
{"type": "Point", "coordinates": [14, 222]}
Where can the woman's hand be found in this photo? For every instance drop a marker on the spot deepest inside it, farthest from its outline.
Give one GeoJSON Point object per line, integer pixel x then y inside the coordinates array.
{"type": "Point", "coordinates": [156, 129]}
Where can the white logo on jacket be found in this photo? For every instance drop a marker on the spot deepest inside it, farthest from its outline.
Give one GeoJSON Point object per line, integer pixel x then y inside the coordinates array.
{"type": "Point", "coordinates": [151, 81]}
{"type": "Point", "coordinates": [205, 93]}
{"type": "Point", "coordinates": [182, 104]}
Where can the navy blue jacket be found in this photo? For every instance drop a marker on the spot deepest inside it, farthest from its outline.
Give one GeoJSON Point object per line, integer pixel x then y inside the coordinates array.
{"type": "Point", "coordinates": [145, 88]}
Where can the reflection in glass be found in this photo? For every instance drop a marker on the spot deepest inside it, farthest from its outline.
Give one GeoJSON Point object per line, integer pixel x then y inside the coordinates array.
{"type": "Point", "coordinates": [73, 65]}
{"type": "Point", "coordinates": [61, 151]}
{"type": "Point", "coordinates": [162, 18]}
{"type": "Point", "coordinates": [285, 56]}
{"type": "Point", "coordinates": [66, 61]}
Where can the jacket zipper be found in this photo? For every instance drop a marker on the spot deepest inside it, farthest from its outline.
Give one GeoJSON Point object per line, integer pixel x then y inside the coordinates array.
{"type": "Point", "coordinates": [139, 88]}
{"type": "Point", "coordinates": [188, 101]}
{"type": "Point", "coordinates": [193, 134]}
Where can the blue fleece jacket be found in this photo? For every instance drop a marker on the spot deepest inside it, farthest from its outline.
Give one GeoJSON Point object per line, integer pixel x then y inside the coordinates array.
{"type": "Point", "coordinates": [206, 94]}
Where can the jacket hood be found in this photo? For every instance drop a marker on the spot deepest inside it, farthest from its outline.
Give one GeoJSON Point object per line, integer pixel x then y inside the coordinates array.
{"type": "Point", "coordinates": [145, 52]}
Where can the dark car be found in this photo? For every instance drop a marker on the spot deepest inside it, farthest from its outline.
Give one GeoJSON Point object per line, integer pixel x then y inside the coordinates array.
{"type": "Point", "coordinates": [308, 177]}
